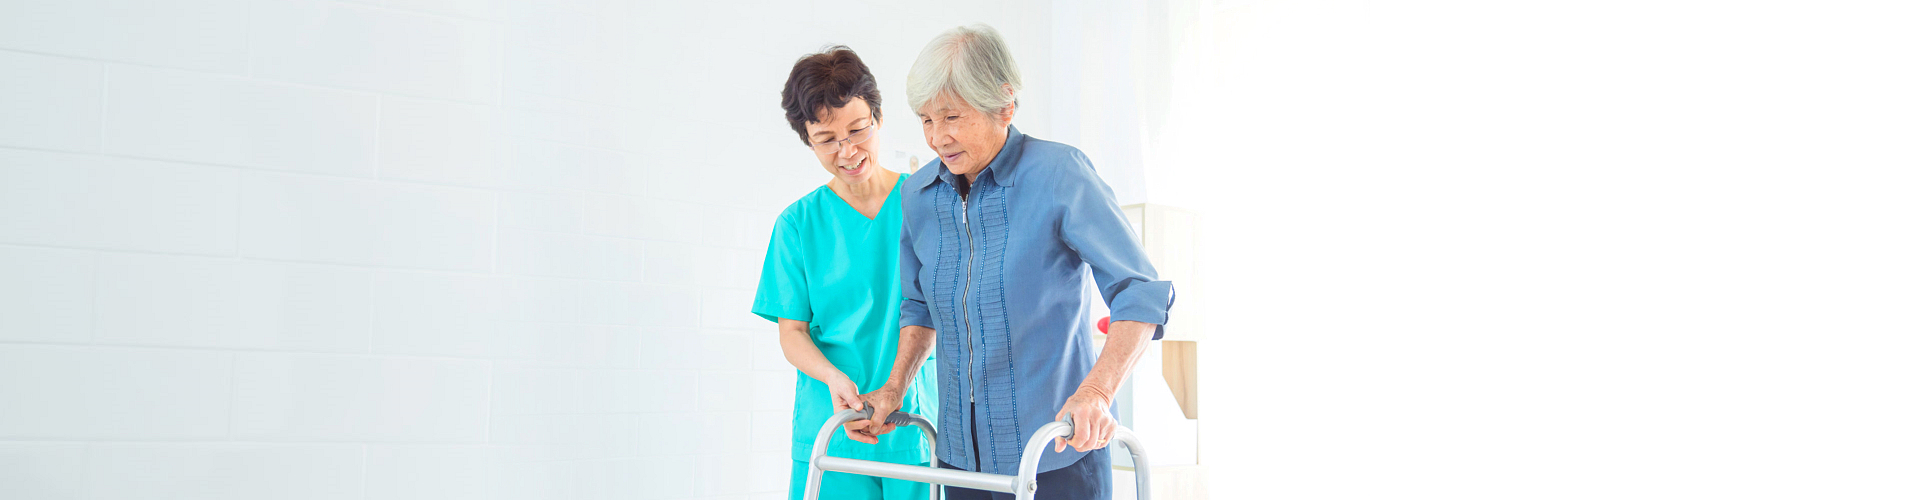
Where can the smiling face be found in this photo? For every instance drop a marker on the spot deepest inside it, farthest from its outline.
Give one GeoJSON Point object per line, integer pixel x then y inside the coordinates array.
{"type": "Point", "coordinates": [966, 139]}
{"type": "Point", "coordinates": [854, 162]}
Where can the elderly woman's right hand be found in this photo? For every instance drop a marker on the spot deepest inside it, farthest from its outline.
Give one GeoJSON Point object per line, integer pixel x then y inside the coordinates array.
{"type": "Point", "coordinates": [884, 401]}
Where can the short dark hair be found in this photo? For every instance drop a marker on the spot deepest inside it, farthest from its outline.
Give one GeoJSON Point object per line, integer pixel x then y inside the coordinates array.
{"type": "Point", "coordinates": [828, 79]}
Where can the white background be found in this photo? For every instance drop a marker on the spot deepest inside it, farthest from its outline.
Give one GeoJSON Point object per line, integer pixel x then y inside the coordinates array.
{"type": "Point", "coordinates": [473, 249]}
{"type": "Point", "coordinates": [1555, 250]}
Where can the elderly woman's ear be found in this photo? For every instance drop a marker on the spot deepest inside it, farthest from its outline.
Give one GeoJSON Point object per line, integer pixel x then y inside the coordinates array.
{"type": "Point", "coordinates": [1006, 113]}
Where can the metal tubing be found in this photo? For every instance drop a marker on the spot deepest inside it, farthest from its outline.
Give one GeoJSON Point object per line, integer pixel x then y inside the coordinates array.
{"type": "Point", "coordinates": [1142, 487]}
{"type": "Point", "coordinates": [1026, 483]}
{"type": "Point", "coordinates": [935, 475]}
{"type": "Point", "coordinates": [814, 472]}
{"type": "Point", "coordinates": [1022, 485]}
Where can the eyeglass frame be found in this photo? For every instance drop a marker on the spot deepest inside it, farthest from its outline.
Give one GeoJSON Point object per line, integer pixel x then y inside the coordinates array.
{"type": "Point", "coordinates": [843, 143]}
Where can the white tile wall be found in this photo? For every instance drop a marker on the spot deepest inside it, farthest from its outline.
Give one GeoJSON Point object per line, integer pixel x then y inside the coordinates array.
{"type": "Point", "coordinates": [297, 397]}
{"type": "Point", "coordinates": [51, 26]}
{"type": "Point", "coordinates": [551, 212]}
{"type": "Point", "coordinates": [237, 471]}
{"type": "Point", "coordinates": [564, 300]}
{"type": "Point", "coordinates": [555, 165]}
{"type": "Point", "coordinates": [477, 9]}
{"type": "Point", "coordinates": [409, 471]}
{"type": "Point", "coordinates": [62, 94]}
{"type": "Point", "coordinates": [189, 116]}
{"type": "Point", "coordinates": [629, 217]}
{"type": "Point", "coordinates": [437, 141]}
{"type": "Point", "coordinates": [113, 203]}
{"type": "Point", "coordinates": [48, 297]}
{"type": "Point", "coordinates": [204, 35]}
{"type": "Point", "coordinates": [164, 300]}
{"type": "Point", "coordinates": [345, 45]}
{"type": "Point", "coordinates": [560, 255]}
{"type": "Point", "coordinates": [43, 470]}
{"type": "Point", "coordinates": [76, 392]}
{"type": "Point", "coordinates": [436, 314]}
{"type": "Point", "coordinates": [659, 305]}
{"type": "Point", "coordinates": [400, 249]}
{"type": "Point", "coordinates": [655, 390]}
{"type": "Point", "coordinates": [729, 308]}
{"type": "Point", "coordinates": [351, 221]}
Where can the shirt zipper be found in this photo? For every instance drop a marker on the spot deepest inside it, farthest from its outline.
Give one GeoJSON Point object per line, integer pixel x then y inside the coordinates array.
{"type": "Point", "coordinates": [966, 290]}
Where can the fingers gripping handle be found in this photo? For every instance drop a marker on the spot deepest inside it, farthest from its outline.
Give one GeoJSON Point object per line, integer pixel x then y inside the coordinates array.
{"type": "Point", "coordinates": [895, 418]}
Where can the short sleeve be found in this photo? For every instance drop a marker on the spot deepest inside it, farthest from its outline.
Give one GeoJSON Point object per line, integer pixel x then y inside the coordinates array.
{"type": "Point", "coordinates": [783, 280]}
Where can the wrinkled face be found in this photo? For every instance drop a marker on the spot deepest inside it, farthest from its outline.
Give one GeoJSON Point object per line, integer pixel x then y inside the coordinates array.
{"type": "Point", "coordinates": [966, 139]}
{"type": "Point", "coordinates": [848, 129]}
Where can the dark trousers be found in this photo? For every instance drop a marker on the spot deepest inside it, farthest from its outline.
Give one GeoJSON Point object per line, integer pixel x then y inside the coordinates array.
{"type": "Point", "coordinates": [1090, 478]}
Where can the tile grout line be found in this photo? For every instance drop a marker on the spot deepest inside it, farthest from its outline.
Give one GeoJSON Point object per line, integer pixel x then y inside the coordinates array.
{"type": "Point", "coordinates": [240, 351]}
{"type": "Point", "coordinates": [233, 391]}
{"type": "Point", "coordinates": [100, 136]}
{"type": "Point", "coordinates": [379, 116]}
{"type": "Point", "coordinates": [538, 190]}
{"type": "Point", "coordinates": [248, 76]}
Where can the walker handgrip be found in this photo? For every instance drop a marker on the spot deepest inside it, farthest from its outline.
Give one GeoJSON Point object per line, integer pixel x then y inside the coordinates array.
{"type": "Point", "coordinates": [895, 418]}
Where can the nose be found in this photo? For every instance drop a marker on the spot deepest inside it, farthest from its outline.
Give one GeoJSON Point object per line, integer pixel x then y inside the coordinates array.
{"type": "Point", "coordinates": [938, 137]}
{"type": "Point", "coordinates": [847, 153]}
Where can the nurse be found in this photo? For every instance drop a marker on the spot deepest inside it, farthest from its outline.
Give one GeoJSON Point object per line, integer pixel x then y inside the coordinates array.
{"type": "Point", "coordinates": [831, 278]}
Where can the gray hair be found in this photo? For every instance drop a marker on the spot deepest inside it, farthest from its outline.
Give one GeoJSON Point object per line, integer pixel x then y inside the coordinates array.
{"type": "Point", "coordinates": [970, 61]}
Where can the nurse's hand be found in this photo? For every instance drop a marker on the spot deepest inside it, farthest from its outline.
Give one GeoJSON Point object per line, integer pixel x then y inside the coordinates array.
{"type": "Point", "coordinates": [885, 401]}
{"type": "Point", "coordinates": [846, 395]}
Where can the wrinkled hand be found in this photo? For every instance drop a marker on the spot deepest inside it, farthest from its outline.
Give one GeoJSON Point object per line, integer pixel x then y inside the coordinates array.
{"type": "Point", "coordinates": [1092, 425]}
{"type": "Point", "coordinates": [884, 401]}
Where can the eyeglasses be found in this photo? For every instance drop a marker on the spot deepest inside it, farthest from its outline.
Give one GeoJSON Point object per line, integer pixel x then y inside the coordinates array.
{"type": "Point", "coordinates": [832, 147]}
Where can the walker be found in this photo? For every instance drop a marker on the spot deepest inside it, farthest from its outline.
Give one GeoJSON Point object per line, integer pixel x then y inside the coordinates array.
{"type": "Point", "coordinates": [1022, 485]}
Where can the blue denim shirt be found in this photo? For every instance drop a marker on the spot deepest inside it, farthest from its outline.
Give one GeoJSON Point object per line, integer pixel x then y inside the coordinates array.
{"type": "Point", "coordinates": [1001, 277]}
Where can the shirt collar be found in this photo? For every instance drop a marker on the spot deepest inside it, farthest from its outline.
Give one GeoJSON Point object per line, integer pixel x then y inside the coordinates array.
{"type": "Point", "coordinates": [1001, 168]}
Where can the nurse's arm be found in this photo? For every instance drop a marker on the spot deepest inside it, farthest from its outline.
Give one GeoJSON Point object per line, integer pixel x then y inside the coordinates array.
{"type": "Point", "coordinates": [800, 350]}
{"type": "Point", "coordinates": [916, 343]}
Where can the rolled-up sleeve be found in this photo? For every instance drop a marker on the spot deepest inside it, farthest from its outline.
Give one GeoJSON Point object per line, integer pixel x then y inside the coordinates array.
{"type": "Point", "coordinates": [913, 304]}
{"type": "Point", "coordinates": [1093, 225]}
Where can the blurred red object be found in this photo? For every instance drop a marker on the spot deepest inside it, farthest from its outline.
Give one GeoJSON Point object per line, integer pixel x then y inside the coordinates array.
{"type": "Point", "coordinates": [1103, 323]}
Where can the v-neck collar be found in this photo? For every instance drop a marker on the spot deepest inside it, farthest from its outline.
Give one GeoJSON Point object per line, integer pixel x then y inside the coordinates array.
{"type": "Point", "coordinates": [891, 195]}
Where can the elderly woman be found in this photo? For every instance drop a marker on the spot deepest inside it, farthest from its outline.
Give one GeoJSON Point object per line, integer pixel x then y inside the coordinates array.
{"type": "Point", "coordinates": [1001, 233]}
{"type": "Point", "coordinates": [830, 278]}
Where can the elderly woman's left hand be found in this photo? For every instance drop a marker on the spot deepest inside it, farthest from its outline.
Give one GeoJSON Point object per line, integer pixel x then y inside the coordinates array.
{"type": "Point", "coordinates": [1092, 425]}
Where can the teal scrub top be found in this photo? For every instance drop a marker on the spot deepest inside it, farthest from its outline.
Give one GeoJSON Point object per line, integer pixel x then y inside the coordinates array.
{"type": "Point", "coordinates": [833, 268]}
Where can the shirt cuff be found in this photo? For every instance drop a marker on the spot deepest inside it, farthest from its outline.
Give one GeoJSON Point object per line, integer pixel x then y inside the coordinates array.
{"type": "Point", "coordinates": [1147, 302]}
{"type": "Point", "coordinates": [914, 313]}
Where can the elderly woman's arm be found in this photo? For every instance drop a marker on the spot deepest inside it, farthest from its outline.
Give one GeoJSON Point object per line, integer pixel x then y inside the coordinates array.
{"type": "Point", "coordinates": [1093, 425]}
{"type": "Point", "coordinates": [915, 343]}
{"type": "Point", "coordinates": [1093, 225]}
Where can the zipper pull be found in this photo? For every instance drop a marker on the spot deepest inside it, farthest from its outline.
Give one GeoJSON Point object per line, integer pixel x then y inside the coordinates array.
{"type": "Point", "coordinates": [963, 210]}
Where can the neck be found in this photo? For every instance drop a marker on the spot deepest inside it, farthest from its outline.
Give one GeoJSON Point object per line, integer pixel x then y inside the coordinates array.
{"type": "Point", "coordinates": [875, 186]}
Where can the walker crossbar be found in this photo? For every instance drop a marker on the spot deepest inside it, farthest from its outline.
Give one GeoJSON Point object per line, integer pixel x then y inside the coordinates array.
{"type": "Point", "coordinates": [1021, 485]}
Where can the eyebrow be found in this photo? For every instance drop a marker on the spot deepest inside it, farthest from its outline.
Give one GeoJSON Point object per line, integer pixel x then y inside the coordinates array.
{"type": "Point", "coordinates": [830, 132]}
